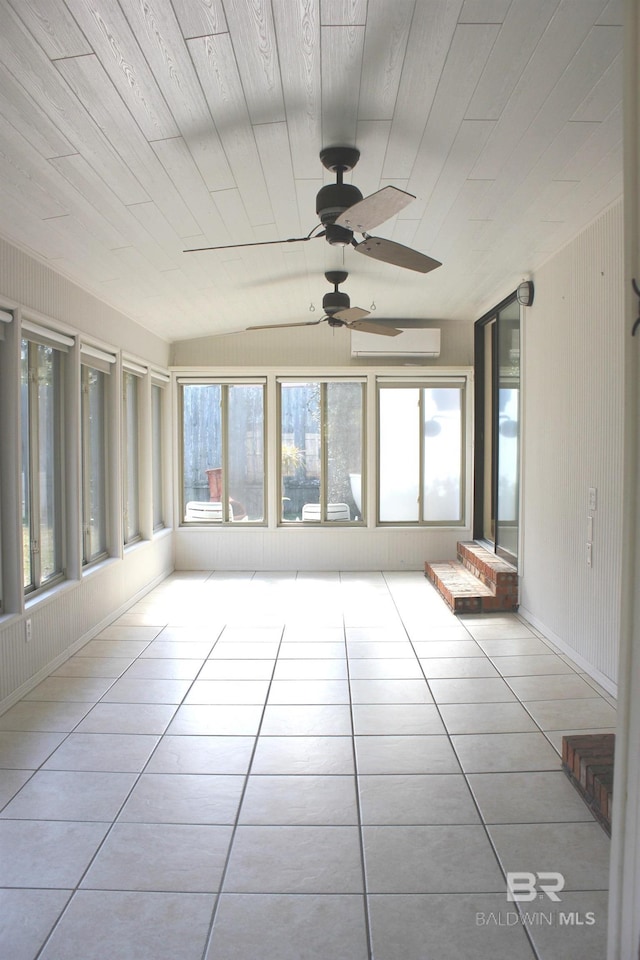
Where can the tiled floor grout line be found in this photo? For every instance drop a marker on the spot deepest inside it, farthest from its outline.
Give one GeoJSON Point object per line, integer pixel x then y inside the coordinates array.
{"type": "Point", "coordinates": [78, 884]}
{"type": "Point", "coordinates": [234, 829]}
{"type": "Point", "coordinates": [483, 822]}
{"type": "Point", "coordinates": [136, 781]}
{"type": "Point", "coordinates": [462, 770]}
{"type": "Point", "coordinates": [402, 613]}
{"type": "Point", "coordinates": [363, 862]}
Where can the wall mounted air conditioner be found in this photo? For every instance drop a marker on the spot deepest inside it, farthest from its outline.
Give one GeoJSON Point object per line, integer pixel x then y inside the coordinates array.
{"type": "Point", "coordinates": [411, 343]}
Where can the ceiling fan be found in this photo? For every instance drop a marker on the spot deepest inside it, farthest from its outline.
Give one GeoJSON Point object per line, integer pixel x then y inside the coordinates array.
{"type": "Point", "coordinates": [338, 312]}
{"type": "Point", "coordinates": [343, 211]}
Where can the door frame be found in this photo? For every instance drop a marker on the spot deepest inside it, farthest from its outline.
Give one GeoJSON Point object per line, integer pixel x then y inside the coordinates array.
{"type": "Point", "coordinates": [480, 380]}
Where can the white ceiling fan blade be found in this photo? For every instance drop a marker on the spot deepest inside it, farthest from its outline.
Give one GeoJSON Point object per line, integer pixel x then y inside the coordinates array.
{"type": "Point", "coordinates": [349, 314]}
{"type": "Point", "coordinates": [397, 254]}
{"type": "Point", "coordinates": [374, 209]}
{"type": "Point", "coordinates": [375, 328]}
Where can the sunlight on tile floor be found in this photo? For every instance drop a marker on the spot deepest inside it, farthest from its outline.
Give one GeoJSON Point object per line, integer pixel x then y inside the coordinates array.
{"type": "Point", "coordinates": [277, 766]}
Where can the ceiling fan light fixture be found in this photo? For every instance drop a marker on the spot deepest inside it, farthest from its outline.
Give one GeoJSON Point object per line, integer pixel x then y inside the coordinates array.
{"type": "Point", "coordinates": [338, 236]}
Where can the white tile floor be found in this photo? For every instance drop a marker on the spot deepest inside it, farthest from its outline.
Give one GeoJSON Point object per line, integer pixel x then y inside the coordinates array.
{"type": "Point", "coordinates": [299, 767]}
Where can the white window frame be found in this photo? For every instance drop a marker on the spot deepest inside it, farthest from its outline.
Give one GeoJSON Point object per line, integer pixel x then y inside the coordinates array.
{"type": "Point", "coordinates": [132, 373]}
{"type": "Point", "coordinates": [220, 517]}
{"type": "Point", "coordinates": [93, 358]}
{"type": "Point", "coordinates": [159, 383]}
{"type": "Point", "coordinates": [460, 381]}
{"type": "Point", "coordinates": [36, 336]}
{"type": "Point", "coordinates": [322, 520]}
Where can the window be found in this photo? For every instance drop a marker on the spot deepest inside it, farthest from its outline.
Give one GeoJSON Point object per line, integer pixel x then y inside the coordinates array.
{"type": "Point", "coordinates": [157, 495]}
{"type": "Point", "coordinates": [94, 462]}
{"type": "Point", "coordinates": [223, 452]}
{"type": "Point", "coordinates": [131, 491]}
{"type": "Point", "coordinates": [420, 453]}
{"type": "Point", "coordinates": [41, 386]}
{"type": "Point", "coordinates": [321, 450]}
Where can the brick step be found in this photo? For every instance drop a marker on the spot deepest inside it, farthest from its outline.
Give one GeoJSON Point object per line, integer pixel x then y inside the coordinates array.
{"type": "Point", "coordinates": [463, 592]}
{"type": "Point", "coordinates": [587, 759]}
{"type": "Point", "coordinates": [487, 566]}
{"type": "Point", "coordinates": [478, 582]}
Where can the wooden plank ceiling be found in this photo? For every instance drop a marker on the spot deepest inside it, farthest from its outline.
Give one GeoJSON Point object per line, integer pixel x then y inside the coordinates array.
{"type": "Point", "coordinates": [133, 129]}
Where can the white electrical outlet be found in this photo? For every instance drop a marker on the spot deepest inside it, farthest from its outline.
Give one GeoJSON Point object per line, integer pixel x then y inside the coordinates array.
{"type": "Point", "coordinates": [589, 554]}
{"type": "Point", "coordinates": [27, 631]}
{"type": "Point", "coordinates": [593, 498]}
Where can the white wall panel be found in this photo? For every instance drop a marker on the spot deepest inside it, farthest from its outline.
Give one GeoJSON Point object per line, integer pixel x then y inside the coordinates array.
{"type": "Point", "coordinates": [73, 614]}
{"type": "Point", "coordinates": [305, 549]}
{"type": "Point", "coordinates": [572, 441]}
{"type": "Point", "coordinates": [314, 346]}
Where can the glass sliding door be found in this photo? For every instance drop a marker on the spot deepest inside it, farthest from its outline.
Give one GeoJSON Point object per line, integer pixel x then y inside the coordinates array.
{"type": "Point", "coordinates": [497, 493]}
{"type": "Point", "coordinates": [488, 531]}
{"type": "Point", "coordinates": [508, 430]}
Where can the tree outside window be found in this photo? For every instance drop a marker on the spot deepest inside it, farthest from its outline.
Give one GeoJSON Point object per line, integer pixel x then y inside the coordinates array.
{"type": "Point", "coordinates": [223, 452]}
{"type": "Point", "coordinates": [321, 450]}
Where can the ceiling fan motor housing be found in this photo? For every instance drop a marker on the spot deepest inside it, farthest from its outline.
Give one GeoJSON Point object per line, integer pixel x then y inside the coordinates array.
{"type": "Point", "coordinates": [335, 301]}
{"type": "Point", "coordinates": [333, 199]}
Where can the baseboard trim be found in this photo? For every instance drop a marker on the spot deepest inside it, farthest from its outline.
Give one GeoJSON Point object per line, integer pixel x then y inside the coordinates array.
{"type": "Point", "coordinates": [73, 648]}
{"type": "Point", "coordinates": [606, 682]}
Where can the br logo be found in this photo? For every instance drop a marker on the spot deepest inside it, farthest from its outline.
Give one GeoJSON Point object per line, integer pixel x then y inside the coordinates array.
{"type": "Point", "coordinates": [525, 886]}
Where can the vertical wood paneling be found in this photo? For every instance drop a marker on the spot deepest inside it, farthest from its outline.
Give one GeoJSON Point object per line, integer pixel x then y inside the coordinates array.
{"type": "Point", "coordinates": [313, 549]}
{"type": "Point", "coordinates": [572, 440]}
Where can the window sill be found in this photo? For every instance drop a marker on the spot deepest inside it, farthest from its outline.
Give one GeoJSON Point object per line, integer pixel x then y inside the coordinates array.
{"type": "Point", "coordinates": [222, 525]}
{"type": "Point", "coordinates": [160, 533]}
{"type": "Point", "coordinates": [322, 525]}
{"type": "Point", "coordinates": [133, 545]}
{"type": "Point", "coordinates": [91, 568]}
